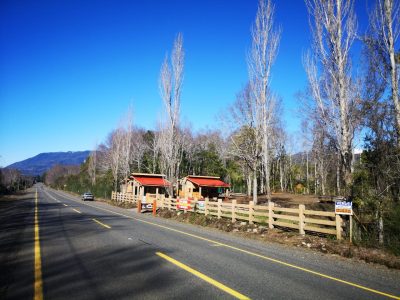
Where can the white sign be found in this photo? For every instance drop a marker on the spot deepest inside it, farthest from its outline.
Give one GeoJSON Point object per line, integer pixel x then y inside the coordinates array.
{"type": "Point", "coordinates": [200, 205]}
{"type": "Point", "coordinates": [147, 206]}
{"type": "Point", "coordinates": [344, 208]}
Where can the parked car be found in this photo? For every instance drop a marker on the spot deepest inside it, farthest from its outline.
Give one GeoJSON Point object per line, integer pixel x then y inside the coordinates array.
{"type": "Point", "coordinates": [87, 196]}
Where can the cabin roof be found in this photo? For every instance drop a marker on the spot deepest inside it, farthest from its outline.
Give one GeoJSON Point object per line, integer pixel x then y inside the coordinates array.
{"type": "Point", "coordinates": [207, 181]}
{"type": "Point", "coordinates": [150, 179]}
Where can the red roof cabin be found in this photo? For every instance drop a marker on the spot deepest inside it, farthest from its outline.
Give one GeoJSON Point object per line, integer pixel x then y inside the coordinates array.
{"type": "Point", "coordinates": [141, 184]}
{"type": "Point", "coordinates": [203, 186]}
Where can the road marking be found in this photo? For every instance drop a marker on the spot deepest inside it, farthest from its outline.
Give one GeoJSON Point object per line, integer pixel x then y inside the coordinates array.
{"type": "Point", "coordinates": [102, 224]}
{"type": "Point", "coordinates": [275, 260]}
{"type": "Point", "coordinates": [77, 211]}
{"type": "Point", "coordinates": [65, 204]}
{"type": "Point", "coordinates": [38, 286]}
{"type": "Point", "coordinates": [255, 254]}
{"type": "Point", "coordinates": [215, 245]}
{"type": "Point", "coordinates": [203, 277]}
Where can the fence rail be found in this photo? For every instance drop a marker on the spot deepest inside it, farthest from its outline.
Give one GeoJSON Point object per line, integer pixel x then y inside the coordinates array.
{"type": "Point", "coordinates": [295, 218]}
{"type": "Point", "coordinates": [124, 197]}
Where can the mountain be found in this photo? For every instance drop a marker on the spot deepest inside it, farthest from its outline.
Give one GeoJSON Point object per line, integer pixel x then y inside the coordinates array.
{"type": "Point", "coordinates": [42, 162]}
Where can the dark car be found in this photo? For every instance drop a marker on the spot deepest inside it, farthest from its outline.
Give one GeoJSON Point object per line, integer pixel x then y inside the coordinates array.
{"type": "Point", "coordinates": [87, 196]}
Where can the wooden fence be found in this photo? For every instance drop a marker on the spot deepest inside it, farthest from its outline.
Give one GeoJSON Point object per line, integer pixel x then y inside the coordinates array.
{"type": "Point", "coordinates": [299, 218]}
{"type": "Point", "coordinates": [123, 197]}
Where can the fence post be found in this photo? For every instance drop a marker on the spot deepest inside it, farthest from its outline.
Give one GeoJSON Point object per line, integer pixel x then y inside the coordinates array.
{"type": "Point", "coordinates": [270, 215]}
{"type": "Point", "coordinates": [194, 209]}
{"type": "Point", "coordinates": [162, 198]}
{"type": "Point", "coordinates": [351, 229]}
{"type": "Point", "coordinates": [139, 206]}
{"type": "Point", "coordinates": [251, 212]}
{"type": "Point", "coordinates": [338, 227]}
{"type": "Point", "coordinates": [112, 195]}
{"type": "Point", "coordinates": [233, 211]}
{"type": "Point", "coordinates": [219, 208]}
{"type": "Point", "coordinates": [206, 206]}
{"type": "Point", "coordinates": [169, 202]}
{"type": "Point", "coordinates": [154, 207]}
{"type": "Point", "coordinates": [301, 219]}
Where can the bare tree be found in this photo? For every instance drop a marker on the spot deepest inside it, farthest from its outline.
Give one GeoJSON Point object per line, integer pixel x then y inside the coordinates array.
{"type": "Point", "coordinates": [10, 178]}
{"type": "Point", "coordinates": [114, 158]}
{"type": "Point", "coordinates": [246, 139]}
{"type": "Point", "coordinates": [92, 166]}
{"type": "Point", "coordinates": [306, 143]}
{"type": "Point", "coordinates": [385, 26]}
{"type": "Point", "coordinates": [171, 78]}
{"type": "Point", "coordinates": [333, 25]}
{"type": "Point", "coordinates": [138, 148]}
{"type": "Point", "coordinates": [265, 41]}
{"type": "Point", "coordinates": [125, 130]}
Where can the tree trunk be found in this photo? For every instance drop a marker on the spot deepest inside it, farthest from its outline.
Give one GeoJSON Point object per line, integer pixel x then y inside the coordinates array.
{"type": "Point", "coordinates": [393, 68]}
{"type": "Point", "coordinates": [380, 227]}
{"type": "Point", "coordinates": [290, 173]}
{"type": "Point", "coordinates": [248, 184]}
{"type": "Point", "coordinates": [262, 179]}
{"type": "Point", "coordinates": [315, 178]}
{"type": "Point", "coordinates": [322, 175]}
{"type": "Point", "coordinates": [281, 174]}
{"type": "Point", "coordinates": [338, 176]}
{"type": "Point", "coordinates": [307, 176]}
{"type": "Point", "coordinates": [115, 185]}
{"type": "Point", "coordinates": [255, 185]}
{"type": "Point", "coordinates": [267, 179]}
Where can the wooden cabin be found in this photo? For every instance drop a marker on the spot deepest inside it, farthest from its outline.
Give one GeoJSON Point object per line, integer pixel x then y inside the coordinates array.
{"type": "Point", "coordinates": [203, 186]}
{"type": "Point", "coordinates": [140, 184]}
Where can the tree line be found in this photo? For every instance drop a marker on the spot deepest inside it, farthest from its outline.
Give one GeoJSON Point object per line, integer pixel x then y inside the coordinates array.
{"type": "Point", "coordinates": [251, 149]}
{"type": "Point", "coordinates": [11, 181]}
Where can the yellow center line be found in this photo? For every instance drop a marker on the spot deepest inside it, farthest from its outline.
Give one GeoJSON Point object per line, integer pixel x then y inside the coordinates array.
{"type": "Point", "coordinates": [77, 211]}
{"type": "Point", "coordinates": [203, 277]}
{"type": "Point", "coordinates": [102, 224]}
{"type": "Point", "coordinates": [38, 286]}
{"type": "Point", "coordinates": [274, 260]}
{"type": "Point", "coordinates": [256, 255]}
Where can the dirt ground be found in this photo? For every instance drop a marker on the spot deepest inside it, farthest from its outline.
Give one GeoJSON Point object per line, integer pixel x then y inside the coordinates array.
{"type": "Point", "coordinates": [289, 200]}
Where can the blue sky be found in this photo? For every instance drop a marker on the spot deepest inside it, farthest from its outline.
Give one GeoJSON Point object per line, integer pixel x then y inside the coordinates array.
{"type": "Point", "coordinates": [70, 69]}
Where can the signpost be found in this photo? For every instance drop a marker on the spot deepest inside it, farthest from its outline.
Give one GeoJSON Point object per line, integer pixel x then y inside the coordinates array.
{"type": "Point", "coordinates": [343, 207]}
{"type": "Point", "coordinates": [200, 205]}
{"type": "Point", "coordinates": [144, 206]}
{"type": "Point", "coordinates": [147, 206]}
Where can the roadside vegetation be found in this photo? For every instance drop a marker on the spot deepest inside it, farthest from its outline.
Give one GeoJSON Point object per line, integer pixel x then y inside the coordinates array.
{"type": "Point", "coordinates": [12, 181]}
{"type": "Point", "coordinates": [251, 149]}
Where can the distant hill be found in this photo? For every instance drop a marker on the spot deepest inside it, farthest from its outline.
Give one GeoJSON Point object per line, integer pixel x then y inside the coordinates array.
{"type": "Point", "coordinates": [42, 162]}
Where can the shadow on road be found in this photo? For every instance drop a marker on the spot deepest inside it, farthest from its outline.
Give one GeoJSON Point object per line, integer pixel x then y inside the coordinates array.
{"type": "Point", "coordinates": [82, 260]}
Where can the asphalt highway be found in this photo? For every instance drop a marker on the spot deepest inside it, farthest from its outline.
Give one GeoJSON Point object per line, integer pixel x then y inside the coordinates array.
{"type": "Point", "coordinates": [90, 250]}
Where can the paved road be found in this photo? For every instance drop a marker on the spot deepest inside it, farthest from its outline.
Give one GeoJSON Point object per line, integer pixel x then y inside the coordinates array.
{"type": "Point", "coordinates": [90, 250]}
